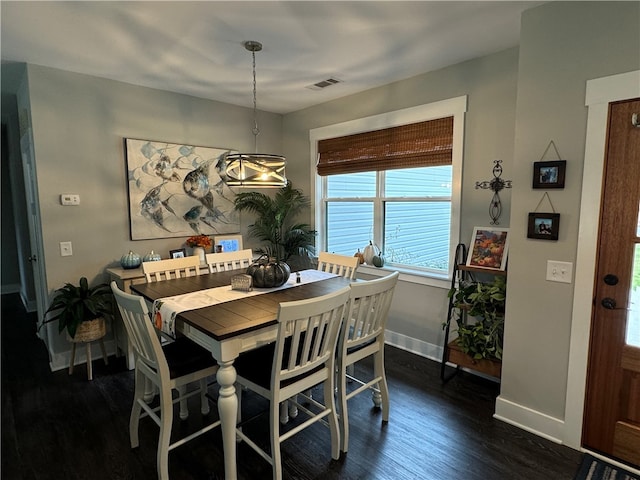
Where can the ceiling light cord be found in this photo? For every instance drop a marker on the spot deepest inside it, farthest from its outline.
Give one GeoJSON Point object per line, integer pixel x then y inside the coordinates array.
{"type": "Point", "coordinates": [254, 47]}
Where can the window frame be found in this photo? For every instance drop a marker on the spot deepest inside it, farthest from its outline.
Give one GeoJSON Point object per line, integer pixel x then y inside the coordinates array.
{"type": "Point", "coordinates": [455, 107]}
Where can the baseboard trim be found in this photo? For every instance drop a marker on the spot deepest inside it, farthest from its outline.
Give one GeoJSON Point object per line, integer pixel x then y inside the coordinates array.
{"type": "Point", "coordinates": [29, 305]}
{"type": "Point", "coordinates": [10, 288]}
{"type": "Point", "coordinates": [413, 345]}
{"type": "Point", "coordinates": [529, 420]}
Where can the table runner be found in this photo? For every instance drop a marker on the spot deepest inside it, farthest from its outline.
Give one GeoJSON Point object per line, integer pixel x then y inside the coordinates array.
{"type": "Point", "coordinates": [166, 309]}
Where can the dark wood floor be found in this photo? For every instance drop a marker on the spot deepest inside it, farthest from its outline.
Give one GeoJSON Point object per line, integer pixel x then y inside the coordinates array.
{"type": "Point", "coordinates": [56, 426]}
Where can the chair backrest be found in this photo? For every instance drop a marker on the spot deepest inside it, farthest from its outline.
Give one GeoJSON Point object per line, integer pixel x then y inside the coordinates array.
{"type": "Point", "coordinates": [307, 334]}
{"type": "Point", "coordinates": [342, 265]}
{"type": "Point", "coordinates": [142, 334]}
{"type": "Point", "coordinates": [369, 306]}
{"type": "Point", "coordinates": [223, 261]}
{"type": "Point", "coordinates": [171, 268]}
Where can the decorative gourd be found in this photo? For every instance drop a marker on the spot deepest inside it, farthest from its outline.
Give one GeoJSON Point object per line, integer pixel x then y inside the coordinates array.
{"type": "Point", "coordinates": [152, 257]}
{"type": "Point", "coordinates": [268, 273]}
{"type": "Point", "coordinates": [130, 260]}
{"type": "Point", "coordinates": [368, 253]}
{"type": "Point", "coordinates": [360, 256]}
{"type": "Point", "coordinates": [378, 260]}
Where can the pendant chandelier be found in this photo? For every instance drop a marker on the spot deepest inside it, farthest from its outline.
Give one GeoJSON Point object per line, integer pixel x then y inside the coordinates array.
{"type": "Point", "coordinates": [254, 169]}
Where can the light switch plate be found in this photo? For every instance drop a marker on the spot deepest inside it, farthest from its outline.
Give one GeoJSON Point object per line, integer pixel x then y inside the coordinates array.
{"type": "Point", "coordinates": [70, 199]}
{"type": "Point", "coordinates": [66, 250]}
{"type": "Point", "coordinates": [559, 271]}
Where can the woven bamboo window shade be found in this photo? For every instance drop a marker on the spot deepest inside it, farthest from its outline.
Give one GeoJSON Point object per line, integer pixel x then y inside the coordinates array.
{"type": "Point", "coordinates": [421, 144]}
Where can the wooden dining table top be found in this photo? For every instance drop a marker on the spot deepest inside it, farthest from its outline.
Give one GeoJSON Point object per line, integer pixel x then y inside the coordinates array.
{"type": "Point", "coordinates": [232, 318]}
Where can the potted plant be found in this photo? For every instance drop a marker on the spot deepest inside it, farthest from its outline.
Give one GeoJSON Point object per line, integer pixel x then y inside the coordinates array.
{"type": "Point", "coordinates": [481, 339]}
{"type": "Point", "coordinates": [81, 309]}
{"type": "Point", "coordinates": [274, 223]}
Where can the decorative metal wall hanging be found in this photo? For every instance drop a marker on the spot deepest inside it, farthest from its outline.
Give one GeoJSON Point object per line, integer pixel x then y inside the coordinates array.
{"type": "Point", "coordinates": [496, 184]}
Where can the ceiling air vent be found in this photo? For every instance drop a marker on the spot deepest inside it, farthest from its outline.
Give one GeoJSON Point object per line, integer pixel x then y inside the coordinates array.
{"type": "Point", "coordinates": [324, 83]}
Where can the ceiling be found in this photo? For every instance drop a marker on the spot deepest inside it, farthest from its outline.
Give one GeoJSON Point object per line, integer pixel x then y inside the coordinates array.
{"type": "Point", "coordinates": [196, 48]}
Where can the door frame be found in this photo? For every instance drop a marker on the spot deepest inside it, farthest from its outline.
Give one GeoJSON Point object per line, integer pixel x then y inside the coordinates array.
{"type": "Point", "coordinates": [600, 92]}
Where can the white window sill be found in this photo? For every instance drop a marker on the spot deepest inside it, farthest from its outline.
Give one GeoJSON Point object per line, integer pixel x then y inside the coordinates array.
{"type": "Point", "coordinates": [407, 275]}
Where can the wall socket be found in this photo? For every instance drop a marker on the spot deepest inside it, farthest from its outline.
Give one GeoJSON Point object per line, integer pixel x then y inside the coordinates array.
{"type": "Point", "coordinates": [559, 271]}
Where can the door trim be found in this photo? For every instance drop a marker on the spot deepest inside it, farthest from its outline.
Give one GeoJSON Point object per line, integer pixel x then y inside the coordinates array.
{"type": "Point", "coordinates": [600, 92]}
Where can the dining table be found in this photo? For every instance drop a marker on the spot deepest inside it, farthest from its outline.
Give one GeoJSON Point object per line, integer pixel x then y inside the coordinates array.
{"type": "Point", "coordinates": [242, 321]}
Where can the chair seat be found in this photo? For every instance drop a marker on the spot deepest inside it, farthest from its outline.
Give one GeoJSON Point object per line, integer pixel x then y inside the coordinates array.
{"type": "Point", "coordinates": [185, 356]}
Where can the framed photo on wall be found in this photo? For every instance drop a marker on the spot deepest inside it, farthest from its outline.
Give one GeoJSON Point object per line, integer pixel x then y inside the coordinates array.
{"type": "Point", "coordinates": [489, 248]}
{"type": "Point", "coordinates": [543, 226]}
{"type": "Point", "coordinates": [549, 174]}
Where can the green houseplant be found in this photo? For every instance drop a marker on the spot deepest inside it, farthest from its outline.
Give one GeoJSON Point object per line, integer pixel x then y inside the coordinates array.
{"type": "Point", "coordinates": [274, 225]}
{"type": "Point", "coordinates": [74, 304]}
{"type": "Point", "coordinates": [485, 302]}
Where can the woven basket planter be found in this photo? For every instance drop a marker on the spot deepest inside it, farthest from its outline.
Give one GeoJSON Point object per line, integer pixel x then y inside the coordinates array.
{"type": "Point", "coordinates": [89, 331]}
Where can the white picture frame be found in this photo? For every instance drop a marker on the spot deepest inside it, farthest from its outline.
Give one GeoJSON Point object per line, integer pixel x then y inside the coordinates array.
{"type": "Point", "coordinates": [489, 248]}
{"type": "Point", "coordinates": [229, 243]}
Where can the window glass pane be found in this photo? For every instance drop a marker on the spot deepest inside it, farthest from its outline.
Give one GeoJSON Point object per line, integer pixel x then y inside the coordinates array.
{"type": "Point", "coordinates": [417, 233]}
{"type": "Point", "coordinates": [352, 185]}
{"type": "Point", "coordinates": [349, 226]}
{"type": "Point", "coordinates": [633, 315]}
{"type": "Point", "coordinates": [419, 182]}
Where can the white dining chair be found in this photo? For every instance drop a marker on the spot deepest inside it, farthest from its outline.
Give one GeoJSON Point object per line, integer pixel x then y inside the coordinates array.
{"type": "Point", "coordinates": [223, 261]}
{"type": "Point", "coordinates": [302, 357]}
{"type": "Point", "coordinates": [342, 265]}
{"type": "Point", "coordinates": [362, 336]}
{"type": "Point", "coordinates": [171, 268]}
{"type": "Point", "coordinates": [168, 367]}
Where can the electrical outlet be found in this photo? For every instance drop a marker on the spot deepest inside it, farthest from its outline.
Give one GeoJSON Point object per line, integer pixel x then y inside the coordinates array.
{"type": "Point", "coordinates": [66, 250]}
{"type": "Point", "coordinates": [559, 271]}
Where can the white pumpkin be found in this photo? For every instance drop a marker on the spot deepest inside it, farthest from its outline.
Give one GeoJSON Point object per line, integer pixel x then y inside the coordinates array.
{"type": "Point", "coordinates": [369, 252]}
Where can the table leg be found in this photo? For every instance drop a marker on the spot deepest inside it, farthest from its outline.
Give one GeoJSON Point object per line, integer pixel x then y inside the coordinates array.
{"type": "Point", "coordinates": [228, 409]}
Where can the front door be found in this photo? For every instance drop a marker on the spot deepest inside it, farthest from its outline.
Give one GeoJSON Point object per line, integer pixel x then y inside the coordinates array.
{"type": "Point", "coordinates": [612, 404]}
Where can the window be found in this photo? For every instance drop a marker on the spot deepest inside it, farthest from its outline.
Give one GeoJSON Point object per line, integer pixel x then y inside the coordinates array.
{"type": "Point", "coordinates": [411, 213]}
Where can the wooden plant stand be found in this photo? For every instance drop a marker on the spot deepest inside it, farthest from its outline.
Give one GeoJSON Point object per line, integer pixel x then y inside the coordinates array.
{"type": "Point", "coordinates": [491, 367]}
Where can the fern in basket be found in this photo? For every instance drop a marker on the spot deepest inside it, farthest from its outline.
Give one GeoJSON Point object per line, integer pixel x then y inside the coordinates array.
{"type": "Point", "coordinates": [74, 304]}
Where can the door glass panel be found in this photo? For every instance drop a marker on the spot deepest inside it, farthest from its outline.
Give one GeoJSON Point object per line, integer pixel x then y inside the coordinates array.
{"type": "Point", "coordinates": [633, 318]}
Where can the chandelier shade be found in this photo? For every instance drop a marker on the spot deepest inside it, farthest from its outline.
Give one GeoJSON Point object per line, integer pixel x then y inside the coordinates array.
{"type": "Point", "coordinates": [253, 169]}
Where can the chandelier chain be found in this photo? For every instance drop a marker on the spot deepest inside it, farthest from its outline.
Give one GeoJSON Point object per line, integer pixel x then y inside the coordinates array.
{"type": "Point", "coordinates": [256, 130]}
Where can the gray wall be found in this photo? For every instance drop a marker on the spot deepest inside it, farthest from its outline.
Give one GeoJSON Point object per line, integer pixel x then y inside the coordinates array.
{"type": "Point", "coordinates": [79, 123]}
{"type": "Point", "coordinates": [562, 46]}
